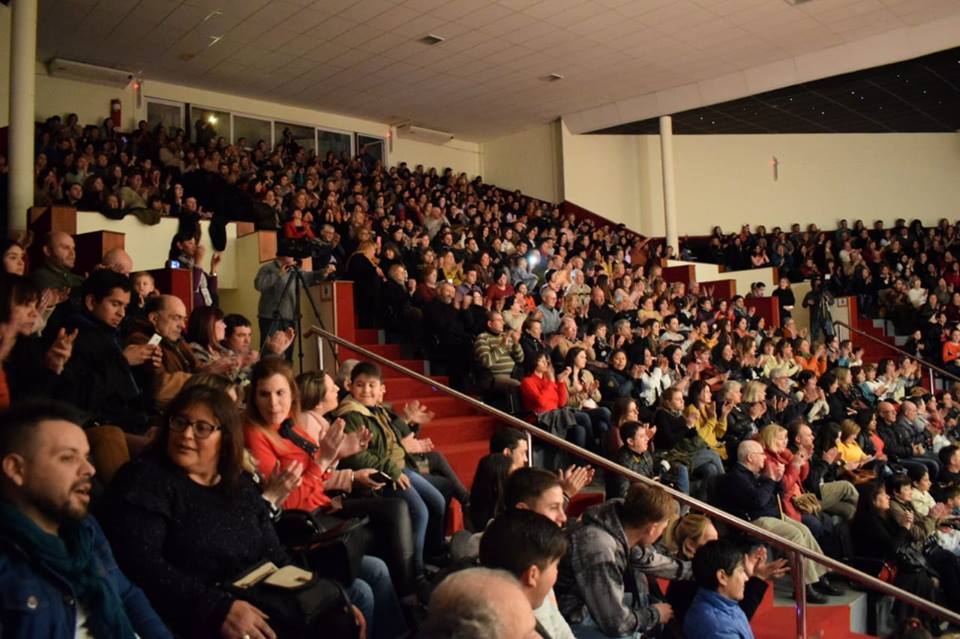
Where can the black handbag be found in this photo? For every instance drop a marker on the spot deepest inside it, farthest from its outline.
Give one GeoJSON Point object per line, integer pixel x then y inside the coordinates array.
{"type": "Point", "coordinates": [308, 606]}
{"type": "Point", "coordinates": [329, 546]}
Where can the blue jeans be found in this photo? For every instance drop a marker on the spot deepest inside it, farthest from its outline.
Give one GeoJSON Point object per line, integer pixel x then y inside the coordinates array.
{"type": "Point", "coordinates": [588, 630]}
{"type": "Point", "coordinates": [426, 505]}
{"type": "Point", "coordinates": [374, 595]}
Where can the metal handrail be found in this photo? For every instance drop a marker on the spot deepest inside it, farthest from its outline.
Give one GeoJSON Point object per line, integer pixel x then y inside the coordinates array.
{"type": "Point", "coordinates": [876, 339]}
{"type": "Point", "coordinates": [720, 515]}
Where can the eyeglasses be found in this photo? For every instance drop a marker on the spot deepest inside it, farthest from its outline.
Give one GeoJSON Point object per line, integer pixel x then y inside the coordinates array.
{"type": "Point", "coordinates": [201, 429]}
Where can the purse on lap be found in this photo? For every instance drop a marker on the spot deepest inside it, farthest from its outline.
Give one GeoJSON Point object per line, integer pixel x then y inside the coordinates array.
{"type": "Point", "coordinates": [331, 547]}
{"type": "Point", "coordinates": [298, 602]}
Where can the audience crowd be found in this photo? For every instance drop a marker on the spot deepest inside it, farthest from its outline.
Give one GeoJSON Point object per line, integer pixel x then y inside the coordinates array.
{"type": "Point", "coordinates": [197, 452]}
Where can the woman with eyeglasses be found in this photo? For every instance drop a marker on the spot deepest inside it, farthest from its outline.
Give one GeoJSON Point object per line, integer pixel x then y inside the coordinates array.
{"type": "Point", "coordinates": [184, 518]}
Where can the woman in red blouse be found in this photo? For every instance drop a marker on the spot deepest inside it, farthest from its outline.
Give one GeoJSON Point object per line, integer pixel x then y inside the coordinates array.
{"type": "Point", "coordinates": [545, 397]}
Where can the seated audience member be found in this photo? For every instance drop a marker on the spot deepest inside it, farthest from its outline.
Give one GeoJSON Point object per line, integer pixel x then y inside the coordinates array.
{"type": "Point", "coordinates": [612, 545]}
{"type": "Point", "coordinates": [678, 439]}
{"type": "Point", "coordinates": [185, 517]}
{"type": "Point", "coordinates": [544, 396]}
{"type": "Point", "coordinates": [399, 314]}
{"type": "Point", "coordinates": [548, 312]}
{"type": "Point", "coordinates": [165, 316]}
{"type": "Point", "coordinates": [720, 571]}
{"type": "Point", "coordinates": [56, 563]}
{"type": "Point", "coordinates": [363, 268]}
{"type": "Point", "coordinates": [205, 332]}
{"type": "Point", "coordinates": [479, 603]}
{"type": "Point", "coordinates": [486, 499]}
{"type": "Point", "coordinates": [898, 440]}
{"type": "Point", "coordinates": [59, 258]}
{"type": "Point", "coordinates": [684, 538]}
{"type": "Point", "coordinates": [13, 255]}
{"type": "Point", "coordinates": [237, 340]}
{"type": "Point", "coordinates": [385, 452]}
{"type": "Point", "coordinates": [496, 353]}
{"type": "Point", "coordinates": [826, 475]}
{"type": "Point", "coordinates": [98, 378]}
{"type": "Point", "coordinates": [529, 546]}
{"type": "Point", "coordinates": [33, 366]}
{"type": "Point", "coordinates": [306, 447]}
{"type": "Point", "coordinates": [118, 261]}
{"type": "Point", "coordinates": [635, 455]}
{"type": "Point", "coordinates": [185, 250]}
{"type": "Point", "coordinates": [751, 490]}
{"type": "Point", "coordinates": [531, 341]}
{"type": "Point", "coordinates": [881, 535]}
{"type": "Point", "coordinates": [511, 443]}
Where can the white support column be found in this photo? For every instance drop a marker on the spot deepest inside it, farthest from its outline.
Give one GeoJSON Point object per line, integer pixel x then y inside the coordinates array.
{"type": "Point", "coordinates": [23, 62]}
{"type": "Point", "coordinates": [669, 191]}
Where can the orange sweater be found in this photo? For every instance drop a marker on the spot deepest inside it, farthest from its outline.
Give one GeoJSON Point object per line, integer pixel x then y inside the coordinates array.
{"type": "Point", "coordinates": [951, 351]}
{"type": "Point", "coordinates": [309, 494]}
{"type": "Point", "coordinates": [813, 364]}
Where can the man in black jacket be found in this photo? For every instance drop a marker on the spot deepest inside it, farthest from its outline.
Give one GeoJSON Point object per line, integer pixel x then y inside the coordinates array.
{"type": "Point", "coordinates": [752, 491]}
{"type": "Point", "coordinates": [398, 312]}
{"type": "Point", "coordinates": [454, 343]}
{"type": "Point", "coordinates": [898, 442]}
{"type": "Point", "coordinates": [98, 378]}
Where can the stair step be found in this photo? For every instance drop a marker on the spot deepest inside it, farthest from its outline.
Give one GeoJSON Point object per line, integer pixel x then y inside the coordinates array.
{"type": "Point", "coordinates": [451, 431]}
{"type": "Point", "coordinates": [403, 387]}
{"type": "Point", "coordinates": [368, 336]}
{"type": "Point", "coordinates": [463, 459]}
{"type": "Point", "coordinates": [390, 351]}
{"type": "Point", "coordinates": [441, 405]}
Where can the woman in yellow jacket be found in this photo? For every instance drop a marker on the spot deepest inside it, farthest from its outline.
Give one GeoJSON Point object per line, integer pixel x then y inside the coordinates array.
{"type": "Point", "coordinates": [701, 412]}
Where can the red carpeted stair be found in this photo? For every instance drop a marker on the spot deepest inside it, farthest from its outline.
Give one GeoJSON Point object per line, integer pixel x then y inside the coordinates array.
{"type": "Point", "coordinates": [458, 430]}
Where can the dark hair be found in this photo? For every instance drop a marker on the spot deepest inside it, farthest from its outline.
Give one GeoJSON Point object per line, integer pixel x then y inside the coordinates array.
{"type": "Point", "coordinates": [230, 463]}
{"type": "Point", "coordinates": [896, 482]}
{"type": "Point", "coordinates": [521, 538]}
{"type": "Point", "coordinates": [826, 437]}
{"type": "Point", "coordinates": [102, 282]}
{"type": "Point", "coordinates": [233, 322]}
{"type": "Point", "coordinates": [202, 325]}
{"type": "Point", "coordinates": [916, 472]}
{"type": "Point", "coordinates": [154, 304]}
{"type": "Point", "coordinates": [486, 494]}
{"type": "Point", "coordinates": [572, 356]}
{"type": "Point", "coordinates": [506, 438]}
{"type": "Point", "coordinates": [946, 453]}
{"type": "Point", "coordinates": [646, 505]}
{"type": "Point", "coordinates": [367, 369]}
{"type": "Point", "coordinates": [18, 423]}
{"type": "Point", "coordinates": [719, 554]}
{"type": "Point", "coordinates": [527, 484]}
{"type": "Point", "coordinates": [628, 430]}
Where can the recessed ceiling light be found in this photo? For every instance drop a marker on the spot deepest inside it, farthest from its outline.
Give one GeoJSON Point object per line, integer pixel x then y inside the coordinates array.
{"type": "Point", "coordinates": [431, 39]}
{"type": "Point", "coordinates": [553, 77]}
{"type": "Point", "coordinates": [796, 2]}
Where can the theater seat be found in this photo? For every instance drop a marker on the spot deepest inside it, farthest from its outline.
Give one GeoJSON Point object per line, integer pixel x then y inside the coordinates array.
{"type": "Point", "coordinates": [108, 450]}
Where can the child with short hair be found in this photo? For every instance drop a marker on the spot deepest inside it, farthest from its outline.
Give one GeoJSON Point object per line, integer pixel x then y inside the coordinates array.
{"type": "Point", "coordinates": [385, 452]}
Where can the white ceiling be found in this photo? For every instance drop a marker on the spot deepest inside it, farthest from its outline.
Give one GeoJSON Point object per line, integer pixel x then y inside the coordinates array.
{"type": "Point", "coordinates": [362, 58]}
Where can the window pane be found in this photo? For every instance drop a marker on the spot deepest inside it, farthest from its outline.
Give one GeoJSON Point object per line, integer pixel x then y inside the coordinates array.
{"type": "Point", "coordinates": [170, 116]}
{"type": "Point", "coordinates": [339, 143]}
{"type": "Point", "coordinates": [209, 124]}
{"type": "Point", "coordinates": [371, 150]}
{"type": "Point", "coordinates": [296, 134]}
{"type": "Point", "coordinates": [252, 129]}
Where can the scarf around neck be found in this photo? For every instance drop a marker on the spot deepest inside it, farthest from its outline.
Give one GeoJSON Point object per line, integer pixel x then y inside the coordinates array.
{"type": "Point", "coordinates": [71, 555]}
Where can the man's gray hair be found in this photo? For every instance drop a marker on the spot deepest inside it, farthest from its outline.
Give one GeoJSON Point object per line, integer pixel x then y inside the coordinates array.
{"type": "Point", "coordinates": [746, 447]}
{"type": "Point", "coordinates": [460, 608]}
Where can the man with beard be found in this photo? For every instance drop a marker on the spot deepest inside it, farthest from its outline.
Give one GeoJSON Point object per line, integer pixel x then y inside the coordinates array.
{"type": "Point", "coordinates": [57, 571]}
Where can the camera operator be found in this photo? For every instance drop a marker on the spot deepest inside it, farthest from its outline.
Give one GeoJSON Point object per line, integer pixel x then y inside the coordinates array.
{"type": "Point", "coordinates": [276, 298]}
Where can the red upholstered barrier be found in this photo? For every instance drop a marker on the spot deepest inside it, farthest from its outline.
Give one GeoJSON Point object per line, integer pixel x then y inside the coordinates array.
{"type": "Point", "coordinates": [767, 307]}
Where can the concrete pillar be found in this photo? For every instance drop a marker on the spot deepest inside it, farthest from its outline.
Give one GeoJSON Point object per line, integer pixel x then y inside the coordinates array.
{"type": "Point", "coordinates": [669, 190]}
{"type": "Point", "coordinates": [23, 61]}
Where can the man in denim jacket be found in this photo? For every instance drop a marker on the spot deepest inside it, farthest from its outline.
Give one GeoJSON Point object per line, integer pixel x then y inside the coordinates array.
{"type": "Point", "coordinates": [58, 577]}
